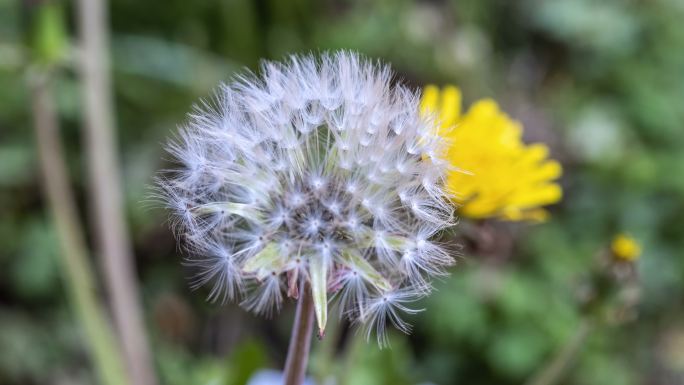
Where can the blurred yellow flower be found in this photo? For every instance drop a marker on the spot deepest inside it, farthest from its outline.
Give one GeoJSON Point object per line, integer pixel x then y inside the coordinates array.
{"type": "Point", "coordinates": [496, 174]}
{"type": "Point", "coordinates": [625, 248]}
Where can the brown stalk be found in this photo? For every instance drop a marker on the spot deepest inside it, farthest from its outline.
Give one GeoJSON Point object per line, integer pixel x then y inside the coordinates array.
{"type": "Point", "coordinates": [113, 242]}
{"type": "Point", "coordinates": [300, 340]}
{"type": "Point", "coordinates": [77, 272]}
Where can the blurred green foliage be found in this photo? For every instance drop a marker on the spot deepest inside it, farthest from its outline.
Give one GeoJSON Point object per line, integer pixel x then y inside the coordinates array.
{"type": "Point", "coordinates": [601, 82]}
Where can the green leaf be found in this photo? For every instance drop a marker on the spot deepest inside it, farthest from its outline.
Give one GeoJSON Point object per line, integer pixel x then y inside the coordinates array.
{"type": "Point", "coordinates": [318, 271]}
{"type": "Point", "coordinates": [18, 162]}
{"type": "Point", "coordinates": [380, 366]}
{"type": "Point", "coordinates": [246, 359]}
{"type": "Point", "coordinates": [50, 37]}
{"type": "Point", "coordinates": [36, 273]}
{"type": "Point", "coordinates": [162, 60]}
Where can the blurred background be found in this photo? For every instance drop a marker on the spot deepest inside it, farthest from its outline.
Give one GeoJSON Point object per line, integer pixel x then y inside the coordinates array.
{"type": "Point", "coordinates": [602, 83]}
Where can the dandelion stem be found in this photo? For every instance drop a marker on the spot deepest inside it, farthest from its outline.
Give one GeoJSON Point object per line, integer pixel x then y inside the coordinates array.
{"type": "Point", "coordinates": [556, 368]}
{"type": "Point", "coordinates": [300, 340]}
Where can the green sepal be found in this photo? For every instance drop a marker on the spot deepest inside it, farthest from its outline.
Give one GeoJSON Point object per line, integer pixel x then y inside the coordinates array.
{"type": "Point", "coordinates": [318, 273]}
{"type": "Point", "coordinates": [366, 270]}
{"type": "Point", "coordinates": [396, 242]}
{"type": "Point", "coordinates": [265, 261]}
{"type": "Point", "coordinates": [241, 209]}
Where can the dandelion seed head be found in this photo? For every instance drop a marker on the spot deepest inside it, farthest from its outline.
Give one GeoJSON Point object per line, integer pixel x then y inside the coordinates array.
{"type": "Point", "coordinates": [318, 171]}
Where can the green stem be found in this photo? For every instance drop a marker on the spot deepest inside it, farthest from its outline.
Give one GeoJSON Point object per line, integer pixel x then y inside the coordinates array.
{"type": "Point", "coordinates": [324, 355]}
{"type": "Point", "coordinates": [557, 367]}
{"type": "Point", "coordinates": [356, 342]}
{"type": "Point", "coordinates": [76, 270]}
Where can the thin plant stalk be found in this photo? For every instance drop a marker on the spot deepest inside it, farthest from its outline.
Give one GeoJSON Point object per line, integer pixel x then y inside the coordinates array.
{"type": "Point", "coordinates": [326, 353]}
{"type": "Point", "coordinates": [77, 272]}
{"type": "Point", "coordinates": [114, 244]}
{"type": "Point", "coordinates": [554, 371]}
{"type": "Point", "coordinates": [357, 341]}
{"type": "Point", "coordinates": [300, 340]}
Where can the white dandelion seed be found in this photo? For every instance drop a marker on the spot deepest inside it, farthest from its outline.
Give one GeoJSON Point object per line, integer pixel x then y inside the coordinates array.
{"type": "Point", "coordinates": [319, 172]}
{"type": "Point", "coordinates": [386, 308]}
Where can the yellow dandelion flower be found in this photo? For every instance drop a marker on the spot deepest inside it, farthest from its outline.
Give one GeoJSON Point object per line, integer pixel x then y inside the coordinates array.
{"type": "Point", "coordinates": [625, 248]}
{"type": "Point", "coordinates": [496, 174]}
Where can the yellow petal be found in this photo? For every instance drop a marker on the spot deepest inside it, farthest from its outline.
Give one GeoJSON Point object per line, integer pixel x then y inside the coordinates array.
{"type": "Point", "coordinates": [546, 171]}
{"type": "Point", "coordinates": [538, 195]}
{"type": "Point", "coordinates": [450, 109]}
{"type": "Point", "coordinates": [535, 215]}
{"type": "Point", "coordinates": [625, 247]}
{"type": "Point", "coordinates": [429, 100]}
{"type": "Point", "coordinates": [493, 172]}
{"type": "Point", "coordinates": [535, 153]}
